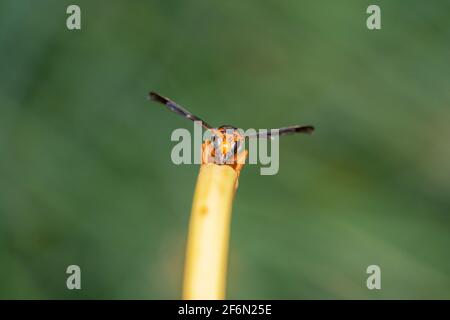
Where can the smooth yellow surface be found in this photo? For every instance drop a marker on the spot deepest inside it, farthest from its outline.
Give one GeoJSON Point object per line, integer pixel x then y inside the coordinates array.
{"type": "Point", "coordinates": [209, 228]}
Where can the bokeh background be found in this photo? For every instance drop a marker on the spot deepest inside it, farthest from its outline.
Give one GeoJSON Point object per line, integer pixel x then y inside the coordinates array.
{"type": "Point", "coordinates": [85, 170]}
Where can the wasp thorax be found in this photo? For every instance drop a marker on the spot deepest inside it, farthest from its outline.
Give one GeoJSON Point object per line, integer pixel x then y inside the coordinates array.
{"type": "Point", "coordinates": [224, 145]}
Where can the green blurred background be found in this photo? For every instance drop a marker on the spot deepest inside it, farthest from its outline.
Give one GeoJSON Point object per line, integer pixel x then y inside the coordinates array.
{"type": "Point", "coordinates": [85, 170]}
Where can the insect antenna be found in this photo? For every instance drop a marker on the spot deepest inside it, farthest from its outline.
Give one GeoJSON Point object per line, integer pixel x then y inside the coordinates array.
{"type": "Point", "coordinates": [176, 108]}
{"type": "Point", "coordinates": [283, 131]}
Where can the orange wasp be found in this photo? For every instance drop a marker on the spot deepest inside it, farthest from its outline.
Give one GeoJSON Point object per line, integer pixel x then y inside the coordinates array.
{"type": "Point", "coordinates": [226, 142]}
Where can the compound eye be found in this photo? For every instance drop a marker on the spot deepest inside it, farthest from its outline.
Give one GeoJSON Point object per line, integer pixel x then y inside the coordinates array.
{"type": "Point", "coordinates": [239, 146]}
{"type": "Point", "coordinates": [216, 141]}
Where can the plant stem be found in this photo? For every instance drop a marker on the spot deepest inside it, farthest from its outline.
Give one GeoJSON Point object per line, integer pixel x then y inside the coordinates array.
{"type": "Point", "coordinates": [209, 228]}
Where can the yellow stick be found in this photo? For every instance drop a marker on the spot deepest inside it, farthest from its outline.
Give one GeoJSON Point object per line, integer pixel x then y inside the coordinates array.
{"type": "Point", "coordinates": [209, 228]}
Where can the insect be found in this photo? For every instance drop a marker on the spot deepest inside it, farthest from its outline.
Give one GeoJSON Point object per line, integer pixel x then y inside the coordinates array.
{"type": "Point", "coordinates": [225, 145]}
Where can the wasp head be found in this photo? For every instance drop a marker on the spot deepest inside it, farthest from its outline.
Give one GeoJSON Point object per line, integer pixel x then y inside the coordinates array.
{"type": "Point", "coordinates": [224, 146]}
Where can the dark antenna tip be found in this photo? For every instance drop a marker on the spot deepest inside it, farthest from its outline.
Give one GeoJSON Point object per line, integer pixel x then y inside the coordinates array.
{"type": "Point", "coordinates": [306, 129]}
{"type": "Point", "coordinates": [151, 94]}
{"type": "Point", "coordinates": [156, 97]}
